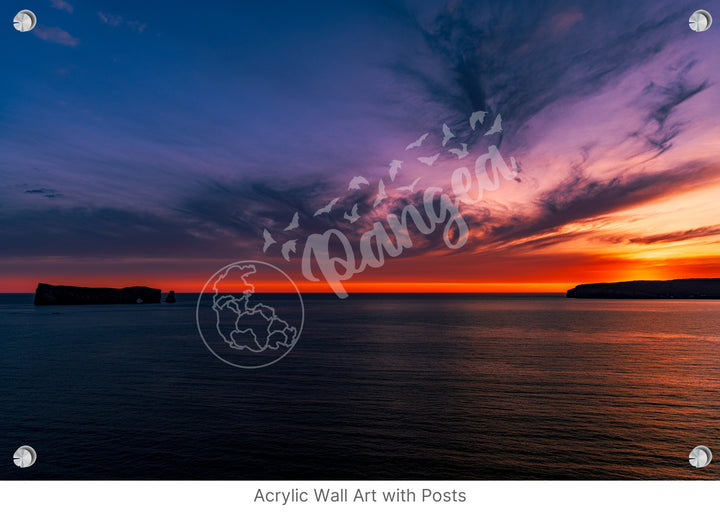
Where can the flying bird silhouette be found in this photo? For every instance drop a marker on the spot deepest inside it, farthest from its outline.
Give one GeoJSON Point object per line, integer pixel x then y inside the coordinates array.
{"type": "Point", "coordinates": [356, 182]}
{"type": "Point", "coordinates": [417, 143]}
{"type": "Point", "coordinates": [381, 194]}
{"type": "Point", "coordinates": [327, 208]}
{"type": "Point", "coordinates": [295, 223]}
{"type": "Point", "coordinates": [429, 160]}
{"type": "Point", "coordinates": [395, 166]}
{"type": "Point", "coordinates": [447, 135]}
{"type": "Point", "coordinates": [269, 241]}
{"type": "Point", "coordinates": [460, 153]}
{"type": "Point", "coordinates": [496, 127]}
{"type": "Point", "coordinates": [411, 187]}
{"type": "Point", "coordinates": [353, 215]}
{"type": "Point", "coordinates": [477, 116]}
{"type": "Point", "coordinates": [287, 248]}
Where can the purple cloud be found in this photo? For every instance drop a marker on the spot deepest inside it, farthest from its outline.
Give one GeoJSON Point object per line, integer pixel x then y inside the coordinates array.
{"type": "Point", "coordinates": [62, 4]}
{"type": "Point", "coordinates": [56, 35]}
{"type": "Point", "coordinates": [116, 20]}
{"type": "Point", "coordinates": [110, 19]}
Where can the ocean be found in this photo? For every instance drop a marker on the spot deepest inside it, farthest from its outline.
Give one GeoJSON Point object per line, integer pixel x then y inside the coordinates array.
{"type": "Point", "coordinates": [392, 387]}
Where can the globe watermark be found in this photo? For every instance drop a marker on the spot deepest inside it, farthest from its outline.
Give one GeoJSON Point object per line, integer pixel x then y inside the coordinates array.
{"type": "Point", "coordinates": [250, 314]}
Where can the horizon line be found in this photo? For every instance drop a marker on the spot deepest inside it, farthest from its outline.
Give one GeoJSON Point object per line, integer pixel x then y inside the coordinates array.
{"type": "Point", "coordinates": [355, 292]}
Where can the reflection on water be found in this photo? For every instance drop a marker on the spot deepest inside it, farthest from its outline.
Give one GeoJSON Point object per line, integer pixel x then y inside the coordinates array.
{"type": "Point", "coordinates": [390, 387]}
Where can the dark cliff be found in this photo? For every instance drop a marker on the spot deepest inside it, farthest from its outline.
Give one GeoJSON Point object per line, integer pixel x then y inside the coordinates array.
{"type": "Point", "coordinates": [46, 294]}
{"type": "Point", "coordinates": [708, 288]}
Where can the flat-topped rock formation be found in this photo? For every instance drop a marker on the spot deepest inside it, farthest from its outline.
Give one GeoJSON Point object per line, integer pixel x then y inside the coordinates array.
{"type": "Point", "coordinates": [46, 294]}
{"type": "Point", "coordinates": [708, 288]}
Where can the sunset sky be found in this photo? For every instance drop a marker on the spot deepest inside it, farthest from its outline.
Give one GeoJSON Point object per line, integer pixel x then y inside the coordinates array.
{"type": "Point", "coordinates": [151, 143]}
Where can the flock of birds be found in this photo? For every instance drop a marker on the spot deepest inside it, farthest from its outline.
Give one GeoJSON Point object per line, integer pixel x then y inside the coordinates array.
{"type": "Point", "coordinates": [358, 182]}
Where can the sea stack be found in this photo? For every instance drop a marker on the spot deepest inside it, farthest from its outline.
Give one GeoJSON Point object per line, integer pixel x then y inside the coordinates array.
{"type": "Point", "coordinates": [170, 298]}
{"type": "Point", "coordinates": [46, 294]}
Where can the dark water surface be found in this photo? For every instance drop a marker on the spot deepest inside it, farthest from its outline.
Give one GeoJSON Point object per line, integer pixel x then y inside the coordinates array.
{"type": "Point", "coordinates": [379, 387]}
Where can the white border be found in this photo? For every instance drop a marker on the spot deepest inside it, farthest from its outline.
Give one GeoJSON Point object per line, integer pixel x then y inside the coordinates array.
{"type": "Point", "coordinates": [484, 498]}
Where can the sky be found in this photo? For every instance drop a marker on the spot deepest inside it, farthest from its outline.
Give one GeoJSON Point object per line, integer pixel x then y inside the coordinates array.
{"type": "Point", "coordinates": [153, 143]}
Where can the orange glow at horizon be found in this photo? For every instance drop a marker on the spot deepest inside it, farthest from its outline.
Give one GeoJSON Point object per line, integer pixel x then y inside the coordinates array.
{"type": "Point", "coordinates": [675, 236]}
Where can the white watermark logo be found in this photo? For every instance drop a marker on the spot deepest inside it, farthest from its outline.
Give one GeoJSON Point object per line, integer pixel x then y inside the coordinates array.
{"type": "Point", "coordinates": [437, 209]}
{"type": "Point", "coordinates": [243, 324]}
{"type": "Point", "coordinates": [250, 314]}
{"type": "Point", "coordinates": [331, 257]}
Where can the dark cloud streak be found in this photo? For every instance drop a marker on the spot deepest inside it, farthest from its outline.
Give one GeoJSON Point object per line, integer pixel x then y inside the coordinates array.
{"type": "Point", "coordinates": [484, 62]}
{"type": "Point", "coordinates": [659, 130]}
{"type": "Point", "coordinates": [680, 236]}
{"type": "Point", "coordinates": [579, 198]}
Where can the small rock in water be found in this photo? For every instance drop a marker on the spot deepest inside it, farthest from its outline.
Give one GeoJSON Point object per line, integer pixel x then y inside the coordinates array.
{"type": "Point", "coordinates": [170, 297]}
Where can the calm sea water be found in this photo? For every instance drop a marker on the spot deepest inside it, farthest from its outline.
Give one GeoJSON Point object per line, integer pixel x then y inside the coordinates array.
{"type": "Point", "coordinates": [379, 387]}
